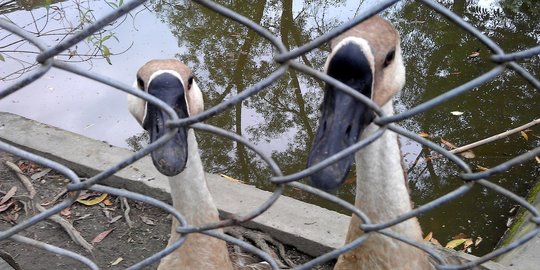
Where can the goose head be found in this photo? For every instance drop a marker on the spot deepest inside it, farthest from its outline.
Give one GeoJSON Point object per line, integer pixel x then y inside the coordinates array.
{"type": "Point", "coordinates": [367, 58]}
{"type": "Point", "coordinates": [172, 82]}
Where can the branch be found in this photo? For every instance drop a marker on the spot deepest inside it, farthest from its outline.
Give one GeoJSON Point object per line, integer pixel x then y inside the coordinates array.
{"type": "Point", "coordinates": [66, 225]}
{"type": "Point", "coordinates": [495, 137]}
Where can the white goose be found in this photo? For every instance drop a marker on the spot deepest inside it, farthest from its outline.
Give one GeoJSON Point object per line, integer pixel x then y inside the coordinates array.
{"type": "Point", "coordinates": [368, 59]}
{"type": "Point", "coordinates": [172, 82]}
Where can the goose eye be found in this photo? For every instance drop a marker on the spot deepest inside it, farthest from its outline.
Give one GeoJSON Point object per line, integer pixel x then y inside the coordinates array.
{"type": "Point", "coordinates": [389, 58]}
{"type": "Point", "coordinates": [190, 82]}
{"type": "Point", "coordinates": [140, 83]}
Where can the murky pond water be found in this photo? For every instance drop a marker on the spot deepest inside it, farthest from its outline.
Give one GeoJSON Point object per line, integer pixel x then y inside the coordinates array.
{"type": "Point", "coordinates": [227, 58]}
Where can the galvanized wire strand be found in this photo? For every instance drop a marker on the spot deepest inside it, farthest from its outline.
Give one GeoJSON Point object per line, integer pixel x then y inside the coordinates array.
{"type": "Point", "coordinates": [377, 8]}
{"type": "Point", "coordinates": [89, 30]}
{"type": "Point", "coordinates": [285, 60]}
{"type": "Point", "coordinates": [34, 75]}
{"type": "Point", "coordinates": [56, 250]}
{"type": "Point", "coordinates": [516, 56]}
{"type": "Point", "coordinates": [466, 87]}
{"type": "Point", "coordinates": [256, 88]}
{"type": "Point", "coordinates": [503, 167]}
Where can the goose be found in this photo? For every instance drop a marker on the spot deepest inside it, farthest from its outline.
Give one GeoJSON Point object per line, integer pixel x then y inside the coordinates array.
{"type": "Point", "coordinates": [367, 58]}
{"type": "Point", "coordinates": [172, 82]}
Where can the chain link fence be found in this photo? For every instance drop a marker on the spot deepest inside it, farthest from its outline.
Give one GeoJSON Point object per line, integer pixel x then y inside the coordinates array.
{"type": "Point", "coordinates": [286, 59]}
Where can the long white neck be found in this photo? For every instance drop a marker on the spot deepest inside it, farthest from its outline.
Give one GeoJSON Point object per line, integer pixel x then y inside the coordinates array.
{"type": "Point", "coordinates": [382, 193]}
{"type": "Point", "coordinates": [191, 197]}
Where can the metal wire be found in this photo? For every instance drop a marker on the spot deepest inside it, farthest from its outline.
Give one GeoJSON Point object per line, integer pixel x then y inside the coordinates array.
{"type": "Point", "coordinates": [286, 59]}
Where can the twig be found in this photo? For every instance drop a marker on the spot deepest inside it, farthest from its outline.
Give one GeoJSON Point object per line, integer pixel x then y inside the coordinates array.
{"type": "Point", "coordinates": [71, 231]}
{"type": "Point", "coordinates": [125, 205]}
{"type": "Point", "coordinates": [26, 182]}
{"type": "Point", "coordinates": [53, 201]}
{"type": "Point", "coordinates": [495, 137]}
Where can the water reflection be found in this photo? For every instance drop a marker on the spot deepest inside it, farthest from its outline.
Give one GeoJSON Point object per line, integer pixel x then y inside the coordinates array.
{"type": "Point", "coordinates": [227, 58]}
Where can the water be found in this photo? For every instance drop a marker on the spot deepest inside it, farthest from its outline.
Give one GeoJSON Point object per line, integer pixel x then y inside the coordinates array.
{"type": "Point", "coordinates": [227, 58]}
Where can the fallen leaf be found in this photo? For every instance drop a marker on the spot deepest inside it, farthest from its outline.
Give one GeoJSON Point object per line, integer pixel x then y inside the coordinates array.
{"type": "Point", "coordinates": [478, 241]}
{"type": "Point", "coordinates": [101, 236]}
{"type": "Point", "coordinates": [509, 222]}
{"type": "Point", "coordinates": [6, 206]}
{"type": "Point", "coordinates": [428, 236]}
{"type": "Point", "coordinates": [11, 217]}
{"type": "Point", "coordinates": [456, 113]}
{"type": "Point", "coordinates": [8, 195]}
{"type": "Point", "coordinates": [468, 154]}
{"type": "Point", "coordinates": [83, 217]}
{"type": "Point", "coordinates": [40, 174]}
{"type": "Point", "coordinates": [468, 243]}
{"type": "Point", "coordinates": [231, 178]}
{"type": "Point", "coordinates": [117, 261]}
{"type": "Point", "coordinates": [481, 168]}
{"type": "Point", "coordinates": [459, 236]}
{"type": "Point", "coordinates": [107, 202]}
{"type": "Point", "coordinates": [93, 201]}
{"type": "Point", "coordinates": [66, 212]}
{"type": "Point", "coordinates": [423, 134]}
{"type": "Point", "coordinates": [448, 144]}
{"type": "Point", "coordinates": [147, 221]}
{"type": "Point", "coordinates": [455, 243]}
{"type": "Point", "coordinates": [524, 135]}
{"type": "Point", "coordinates": [115, 219]}
{"type": "Point", "coordinates": [537, 159]}
{"type": "Point", "coordinates": [435, 242]}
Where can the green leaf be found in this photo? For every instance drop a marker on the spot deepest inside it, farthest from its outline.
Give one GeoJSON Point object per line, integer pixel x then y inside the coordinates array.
{"type": "Point", "coordinates": [2, 58]}
{"type": "Point", "coordinates": [106, 53]}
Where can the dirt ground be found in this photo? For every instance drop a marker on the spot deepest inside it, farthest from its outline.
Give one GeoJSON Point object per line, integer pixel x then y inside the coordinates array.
{"type": "Point", "coordinates": [121, 248]}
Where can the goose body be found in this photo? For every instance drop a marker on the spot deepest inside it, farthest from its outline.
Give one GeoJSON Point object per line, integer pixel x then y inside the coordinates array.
{"type": "Point", "coordinates": [173, 83]}
{"type": "Point", "coordinates": [368, 59]}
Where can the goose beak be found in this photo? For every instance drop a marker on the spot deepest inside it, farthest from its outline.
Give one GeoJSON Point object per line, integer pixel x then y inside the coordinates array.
{"type": "Point", "coordinates": [342, 121]}
{"type": "Point", "coordinates": [170, 159]}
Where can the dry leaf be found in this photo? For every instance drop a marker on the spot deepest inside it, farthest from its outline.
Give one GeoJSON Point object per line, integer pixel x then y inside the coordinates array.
{"type": "Point", "coordinates": [481, 168]}
{"type": "Point", "coordinates": [456, 113]}
{"type": "Point", "coordinates": [102, 236]}
{"type": "Point", "coordinates": [459, 236]}
{"type": "Point", "coordinates": [117, 261]}
{"type": "Point", "coordinates": [524, 135]}
{"type": "Point", "coordinates": [93, 201]}
{"type": "Point", "coordinates": [6, 206]}
{"type": "Point", "coordinates": [537, 159]}
{"type": "Point", "coordinates": [115, 219]}
{"type": "Point", "coordinates": [107, 202]}
{"type": "Point", "coordinates": [509, 222]}
{"type": "Point", "coordinates": [448, 144]}
{"type": "Point", "coordinates": [423, 134]}
{"type": "Point", "coordinates": [435, 241]}
{"type": "Point", "coordinates": [478, 241]}
{"type": "Point", "coordinates": [468, 154]}
{"type": "Point", "coordinates": [428, 236]}
{"type": "Point", "coordinates": [455, 243]}
{"type": "Point", "coordinates": [40, 174]}
{"type": "Point", "coordinates": [231, 178]}
{"type": "Point", "coordinates": [66, 212]}
{"type": "Point", "coordinates": [468, 243]}
{"type": "Point", "coordinates": [147, 221]}
{"type": "Point", "coordinates": [8, 195]}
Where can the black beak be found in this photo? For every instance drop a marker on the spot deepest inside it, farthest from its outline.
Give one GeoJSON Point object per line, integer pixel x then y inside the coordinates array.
{"type": "Point", "coordinates": [170, 159]}
{"type": "Point", "coordinates": [343, 117]}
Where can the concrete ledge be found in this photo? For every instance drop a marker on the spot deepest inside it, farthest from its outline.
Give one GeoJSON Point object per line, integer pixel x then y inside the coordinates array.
{"type": "Point", "coordinates": [311, 229]}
